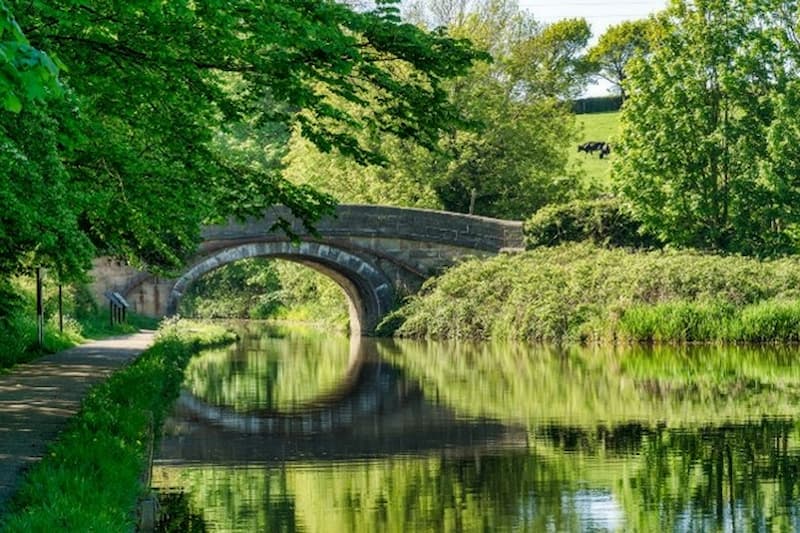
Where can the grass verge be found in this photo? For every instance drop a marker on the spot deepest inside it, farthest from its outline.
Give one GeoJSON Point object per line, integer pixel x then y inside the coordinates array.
{"type": "Point", "coordinates": [90, 478]}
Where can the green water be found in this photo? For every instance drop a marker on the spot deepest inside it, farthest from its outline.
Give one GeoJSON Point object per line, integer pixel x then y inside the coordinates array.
{"type": "Point", "coordinates": [295, 430]}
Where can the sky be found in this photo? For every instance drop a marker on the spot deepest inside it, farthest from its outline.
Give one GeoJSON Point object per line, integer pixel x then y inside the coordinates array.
{"type": "Point", "coordinates": [598, 13]}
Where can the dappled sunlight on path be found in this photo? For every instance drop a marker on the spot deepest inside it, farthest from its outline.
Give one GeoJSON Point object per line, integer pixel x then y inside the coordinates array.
{"type": "Point", "coordinates": [37, 399]}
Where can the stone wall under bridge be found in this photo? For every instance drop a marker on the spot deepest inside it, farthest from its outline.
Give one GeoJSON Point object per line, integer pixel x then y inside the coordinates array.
{"type": "Point", "coordinates": [375, 253]}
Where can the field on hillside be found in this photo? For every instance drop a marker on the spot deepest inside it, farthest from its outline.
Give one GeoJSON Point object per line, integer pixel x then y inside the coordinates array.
{"type": "Point", "coordinates": [596, 127]}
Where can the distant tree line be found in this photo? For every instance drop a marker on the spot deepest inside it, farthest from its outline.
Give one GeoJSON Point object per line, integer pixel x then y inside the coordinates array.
{"type": "Point", "coordinates": [596, 104]}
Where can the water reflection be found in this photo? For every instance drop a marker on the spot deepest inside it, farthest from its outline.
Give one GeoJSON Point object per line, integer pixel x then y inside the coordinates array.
{"type": "Point", "coordinates": [456, 437]}
{"type": "Point", "coordinates": [375, 410]}
{"type": "Point", "coordinates": [273, 368]}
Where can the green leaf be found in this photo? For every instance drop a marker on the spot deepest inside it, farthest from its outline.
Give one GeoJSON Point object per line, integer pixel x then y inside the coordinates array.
{"type": "Point", "coordinates": [11, 102]}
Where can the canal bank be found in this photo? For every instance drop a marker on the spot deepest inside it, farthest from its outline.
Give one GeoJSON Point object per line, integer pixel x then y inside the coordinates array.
{"type": "Point", "coordinates": [39, 398]}
{"type": "Point", "coordinates": [90, 477]}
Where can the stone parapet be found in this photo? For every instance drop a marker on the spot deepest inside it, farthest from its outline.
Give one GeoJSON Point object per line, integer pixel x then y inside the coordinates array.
{"type": "Point", "coordinates": [375, 253]}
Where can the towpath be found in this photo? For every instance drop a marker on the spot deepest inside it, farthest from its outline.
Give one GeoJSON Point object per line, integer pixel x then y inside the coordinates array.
{"type": "Point", "coordinates": [37, 399]}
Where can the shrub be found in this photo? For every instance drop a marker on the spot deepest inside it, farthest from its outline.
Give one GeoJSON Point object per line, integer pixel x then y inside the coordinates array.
{"type": "Point", "coordinates": [583, 292]}
{"type": "Point", "coordinates": [602, 221]}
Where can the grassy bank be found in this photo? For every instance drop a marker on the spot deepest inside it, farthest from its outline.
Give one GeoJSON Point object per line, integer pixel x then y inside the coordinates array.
{"type": "Point", "coordinates": [82, 320]}
{"type": "Point", "coordinates": [90, 478]}
{"type": "Point", "coordinates": [581, 292]}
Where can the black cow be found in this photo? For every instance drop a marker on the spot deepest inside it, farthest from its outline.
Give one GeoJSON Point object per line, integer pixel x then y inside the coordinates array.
{"type": "Point", "coordinates": [593, 146]}
{"type": "Point", "coordinates": [590, 147]}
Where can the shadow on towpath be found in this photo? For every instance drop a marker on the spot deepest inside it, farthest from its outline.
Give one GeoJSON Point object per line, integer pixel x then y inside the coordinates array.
{"type": "Point", "coordinates": [37, 399]}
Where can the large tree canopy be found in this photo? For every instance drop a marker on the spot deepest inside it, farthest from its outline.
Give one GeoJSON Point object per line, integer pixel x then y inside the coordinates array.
{"type": "Point", "coordinates": [710, 132]}
{"type": "Point", "coordinates": [515, 161]}
{"type": "Point", "coordinates": [26, 73]}
{"type": "Point", "coordinates": [38, 220]}
{"type": "Point", "coordinates": [155, 83]}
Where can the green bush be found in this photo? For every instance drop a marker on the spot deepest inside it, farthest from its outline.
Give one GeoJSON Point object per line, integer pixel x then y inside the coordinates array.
{"type": "Point", "coordinates": [602, 221]}
{"type": "Point", "coordinates": [583, 292]}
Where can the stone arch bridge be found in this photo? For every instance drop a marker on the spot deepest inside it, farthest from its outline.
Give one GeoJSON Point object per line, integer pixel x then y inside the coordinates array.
{"type": "Point", "coordinates": [375, 253]}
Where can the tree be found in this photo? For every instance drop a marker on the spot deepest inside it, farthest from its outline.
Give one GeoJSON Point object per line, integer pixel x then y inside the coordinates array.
{"type": "Point", "coordinates": [550, 62]}
{"type": "Point", "coordinates": [439, 13]}
{"type": "Point", "coordinates": [39, 218]}
{"type": "Point", "coordinates": [38, 222]}
{"type": "Point", "coordinates": [610, 56]}
{"type": "Point", "coordinates": [516, 162]}
{"type": "Point", "coordinates": [513, 156]}
{"type": "Point", "coordinates": [244, 289]}
{"type": "Point", "coordinates": [710, 130]}
{"type": "Point", "coordinates": [156, 83]}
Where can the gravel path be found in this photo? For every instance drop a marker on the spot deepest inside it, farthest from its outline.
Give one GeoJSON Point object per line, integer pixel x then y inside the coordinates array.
{"type": "Point", "coordinates": [37, 399]}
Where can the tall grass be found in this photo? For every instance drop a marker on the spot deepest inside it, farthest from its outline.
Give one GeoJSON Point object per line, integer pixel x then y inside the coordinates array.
{"type": "Point", "coordinates": [582, 292]}
{"type": "Point", "coordinates": [90, 478]}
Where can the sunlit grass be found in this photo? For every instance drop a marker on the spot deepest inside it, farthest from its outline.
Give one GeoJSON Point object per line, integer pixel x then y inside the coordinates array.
{"type": "Point", "coordinates": [596, 127]}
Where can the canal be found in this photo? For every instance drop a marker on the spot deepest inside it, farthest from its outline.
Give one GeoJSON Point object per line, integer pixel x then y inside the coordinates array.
{"type": "Point", "coordinates": [301, 430]}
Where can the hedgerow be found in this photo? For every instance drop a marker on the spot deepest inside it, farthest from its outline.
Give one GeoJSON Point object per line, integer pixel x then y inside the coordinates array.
{"type": "Point", "coordinates": [584, 292]}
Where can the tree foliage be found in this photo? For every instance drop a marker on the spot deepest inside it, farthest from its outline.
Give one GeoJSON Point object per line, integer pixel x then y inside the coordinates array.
{"type": "Point", "coordinates": [39, 223]}
{"type": "Point", "coordinates": [244, 289]}
{"type": "Point", "coordinates": [158, 85]}
{"type": "Point", "coordinates": [26, 73]}
{"type": "Point", "coordinates": [550, 62]}
{"type": "Point", "coordinates": [708, 150]}
{"type": "Point", "coordinates": [603, 221]}
{"type": "Point", "coordinates": [514, 156]}
{"type": "Point", "coordinates": [615, 48]}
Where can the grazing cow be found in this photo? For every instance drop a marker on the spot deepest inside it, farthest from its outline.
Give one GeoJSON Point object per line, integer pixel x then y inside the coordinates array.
{"type": "Point", "coordinates": [590, 147]}
{"type": "Point", "coordinates": [593, 146]}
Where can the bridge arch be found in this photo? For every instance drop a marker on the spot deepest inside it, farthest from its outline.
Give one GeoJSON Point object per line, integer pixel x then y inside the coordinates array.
{"type": "Point", "coordinates": [375, 253]}
{"type": "Point", "coordinates": [369, 292]}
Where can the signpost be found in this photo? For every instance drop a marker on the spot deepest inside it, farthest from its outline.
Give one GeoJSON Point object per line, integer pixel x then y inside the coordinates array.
{"type": "Point", "coordinates": [39, 309]}
{"type": "Point", "coordinates": [60, 310]}
{"type": "Point", "coordinates": [117, 307]}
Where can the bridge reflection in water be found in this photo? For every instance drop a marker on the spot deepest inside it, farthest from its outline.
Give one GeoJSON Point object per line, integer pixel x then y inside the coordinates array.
{"type": "Point", "coordinates": [376, 411]}
{"type": "Point", "coordinates": [451, 437]}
